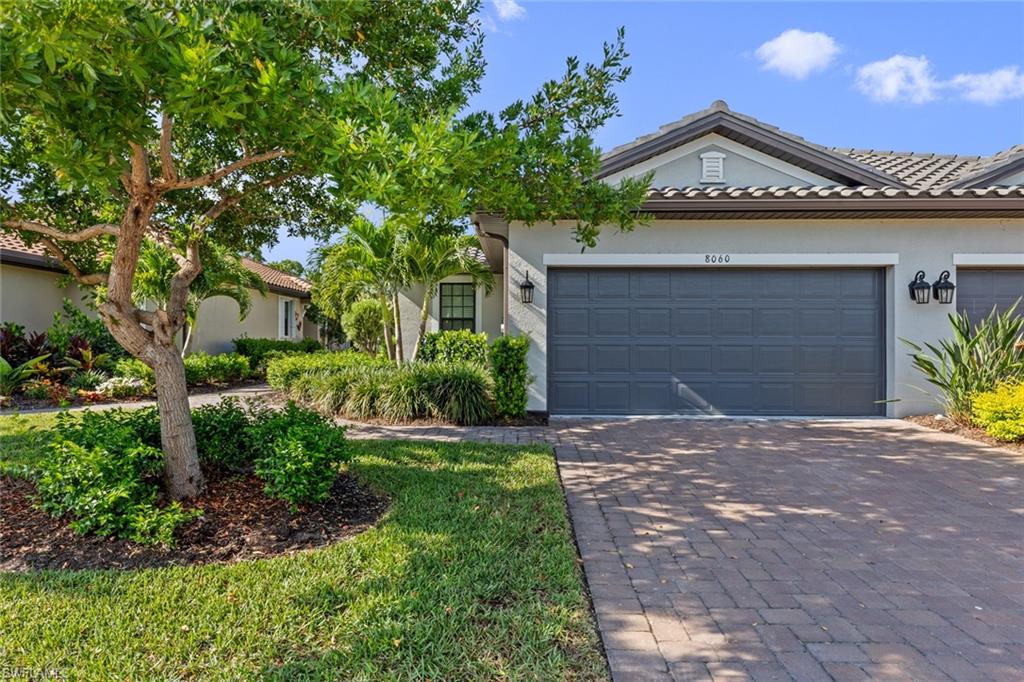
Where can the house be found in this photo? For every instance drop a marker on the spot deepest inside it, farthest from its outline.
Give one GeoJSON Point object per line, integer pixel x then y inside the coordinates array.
{"type": "Point", "coordinates": [772, 277]}
{"type": "Point", "coordinates": [33, 286]}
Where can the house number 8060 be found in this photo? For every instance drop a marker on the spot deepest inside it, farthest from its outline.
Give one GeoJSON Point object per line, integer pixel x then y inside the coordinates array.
{"type": "Point", "coordinates": [716, 258]}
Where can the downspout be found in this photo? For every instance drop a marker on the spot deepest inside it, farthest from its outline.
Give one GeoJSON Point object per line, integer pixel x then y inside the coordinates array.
{"type": "Point", "coordinates": [504, 272]}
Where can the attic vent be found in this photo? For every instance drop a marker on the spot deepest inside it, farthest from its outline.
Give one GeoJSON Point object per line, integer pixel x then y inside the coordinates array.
{"type": "Point", "coordinates": [712, 167]}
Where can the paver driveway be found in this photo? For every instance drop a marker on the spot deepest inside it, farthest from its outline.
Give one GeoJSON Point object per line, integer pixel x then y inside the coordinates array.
{"type": "Point", "coordinates": [794, 549]}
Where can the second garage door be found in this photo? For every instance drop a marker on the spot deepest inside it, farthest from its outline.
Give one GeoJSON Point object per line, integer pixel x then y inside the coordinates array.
{"type": "Point", "coordinates": [701, 341]}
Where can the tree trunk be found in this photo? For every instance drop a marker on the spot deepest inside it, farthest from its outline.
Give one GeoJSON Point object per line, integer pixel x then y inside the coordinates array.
{"type": "Point", "coordinates": [399, 348]}
{"type": "Point", "coordinates": [387, 330]}
{"type": "Point", "coordinates": [428, 297]}
{"type": "Point", "coordinates": [182, 476]}
{"type": "Point", "coordinates": [189, 330]}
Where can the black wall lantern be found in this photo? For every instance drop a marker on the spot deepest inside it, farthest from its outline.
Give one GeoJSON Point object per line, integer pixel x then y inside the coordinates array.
{"type": "Point", "coordinates": [943, 289]}
{"type": "Point", "coordinates": [920, 290]}
{"type": "Point", "coordinates": [526, 290]}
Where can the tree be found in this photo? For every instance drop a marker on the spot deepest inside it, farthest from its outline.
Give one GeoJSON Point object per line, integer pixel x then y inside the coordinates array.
{"type": "Point", "coordinates": [181, 121]}
{"type": "Point", "coordinates": [292, 267]}
{"type": "Point", "coordinates": [223, 274]}
{"type": "Point", "coordinates": [363, 322]}
{"type": "Point", "coordinates": [366, 264]}
{"type": "Point", "coordinates": [431, 257]}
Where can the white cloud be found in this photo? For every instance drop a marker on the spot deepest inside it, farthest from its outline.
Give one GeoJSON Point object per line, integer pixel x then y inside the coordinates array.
{"type": "Point", "coordinates": [898, 78]}
{"type": "Point", "coordinates": [992, 87]}
{"type": "Point", "coordinates": [509, 10]}
{"type": "Point", "coordinates": [488, 23]}
{"type": "Point", "coordinates": [797, 53]}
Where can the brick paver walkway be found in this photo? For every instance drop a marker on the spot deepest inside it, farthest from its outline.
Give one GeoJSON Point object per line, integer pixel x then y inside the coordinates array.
{"type": "Point", "coordinates": [805, 550]}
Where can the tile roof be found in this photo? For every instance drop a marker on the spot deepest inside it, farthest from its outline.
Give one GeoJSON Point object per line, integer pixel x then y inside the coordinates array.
{"type": "Point", "coordinates": [13, 248]}
{"type": "Point", "coordinates": [1014, 191]}
{"type": "Point", "coordinates": [915, 170]}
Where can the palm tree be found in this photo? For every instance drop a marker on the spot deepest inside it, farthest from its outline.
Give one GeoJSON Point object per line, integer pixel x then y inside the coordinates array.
{"type": "Point", "coordinates": [366, 264]}
{"type": "Point", "coordinates": [431, 257]}
{"type": "Point", "coordinates": [223, 274]}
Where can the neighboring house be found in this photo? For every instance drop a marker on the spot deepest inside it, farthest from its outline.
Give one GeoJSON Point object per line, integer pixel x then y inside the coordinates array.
{"type": "Point", "coordinates": [31, 292]}
{"type": "Point", "coordinates": [771, 279]}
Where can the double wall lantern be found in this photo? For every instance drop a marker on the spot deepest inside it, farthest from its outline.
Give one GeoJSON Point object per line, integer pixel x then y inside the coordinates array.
{"type": "Point", "coordinates": [922, 292]}
{"type": "Point", "coordinates": [526, 290]}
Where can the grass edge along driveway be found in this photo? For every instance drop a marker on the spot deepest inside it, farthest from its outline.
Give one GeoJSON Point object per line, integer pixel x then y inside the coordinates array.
{"type": "Point", "coordinates": [472, 574]}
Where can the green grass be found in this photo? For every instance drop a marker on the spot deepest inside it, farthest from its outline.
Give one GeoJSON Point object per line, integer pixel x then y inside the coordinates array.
{"type": "Point", "coordinates": [23, 440]}
{"type": "Point", "coordinates": [470, 575]}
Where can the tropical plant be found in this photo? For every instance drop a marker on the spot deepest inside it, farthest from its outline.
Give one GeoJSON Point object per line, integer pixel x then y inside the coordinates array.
{"type": "Point", "coordinates": [974, 360]}
{"type": "Point", "coordinates": [13, 346]}
{"type": "Point", "coordinates": [223, 274]}
{"type": "Point", "coordinates": [364, 323]}
{"type": "Point", "coordinates": [81, 357]}
{"type": "Point", "coordinates": [88, 380]}
{"type": "Point", "coordinates": [11, 377]}
{"type": "Point", "coordinates": [511, 375]}
{"type": "Point", "coordinates": [431, 258]}
{"type": "Point", "coordinates": [366, 264]}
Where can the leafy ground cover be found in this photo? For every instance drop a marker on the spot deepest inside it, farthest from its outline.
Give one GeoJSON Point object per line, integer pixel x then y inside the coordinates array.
{"type": "Point", "coordinates": [471, 574]}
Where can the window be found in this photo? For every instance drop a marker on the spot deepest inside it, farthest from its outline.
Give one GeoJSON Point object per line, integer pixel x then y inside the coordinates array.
{"type": "Point", "coordinates": [287, 318]}
{"type": "Point", "coordinates": [712, 167]}
{"type": "Point", "coordinates": [458, 306]}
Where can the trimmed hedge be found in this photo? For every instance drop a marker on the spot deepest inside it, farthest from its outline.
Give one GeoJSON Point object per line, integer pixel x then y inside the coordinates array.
{"type": "Point", "coordinates": [1001, 411]}
{"type": "Point", "coordinates": [257, 349]}
{"type": "Point", "coordinates": [200, 368]}
{"type": "Point", "coordinates": [511, 375]}
{"type": "Point", "coordinates": [357, 386]}
{"type": "Point", "coordinates": [454, 346]}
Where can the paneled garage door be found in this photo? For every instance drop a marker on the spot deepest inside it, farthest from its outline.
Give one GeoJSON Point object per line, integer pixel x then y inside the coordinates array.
{"type": "Point", "coordinates": [979, 290]}
{"type": "Point", "coordinates": [702, 341]}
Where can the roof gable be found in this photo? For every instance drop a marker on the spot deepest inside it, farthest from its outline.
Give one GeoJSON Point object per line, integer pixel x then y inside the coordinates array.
{"type": "Point", "coordinates": [749, 132]}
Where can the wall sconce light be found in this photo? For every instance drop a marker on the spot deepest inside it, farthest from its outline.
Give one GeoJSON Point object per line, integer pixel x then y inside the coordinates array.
{"type": "Point", "coordinates": [526, 290]}
{"type": "Point", "coordinates": [920, 290]}
{"type": "Point", "coordinates": [943, 289]}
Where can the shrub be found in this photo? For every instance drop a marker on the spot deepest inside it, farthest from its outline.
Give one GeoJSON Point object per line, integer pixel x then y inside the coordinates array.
{"type": "Point", "coordinates": [282, 372]}
{"type": "Point", "coordinates": [87, 380]}
{"type": "Point", "coordinates": [462, 393]}
{"type": "Point", "coordinates": [100, 472]}
{"type": "Point", "coordinates": [363, 323]}
{"type": "Point", "coordinates": [123, 387]}
{"type": "Point", "coordinates": [202, 368]}
{"type": "Point", "coordinates": [454, 346]}
{"type": "Point", "coordinates": [511, 375]}
{"type": "Point", "coordinates": [12, 378]}
{"type": "Point", "coordinates": [13, 345]}
{"type": "Point", "coordinates": [974, 361]}
{"type": "Point", "coordinates": [406, 393]}
{"type": "Point", "coordinates": [71, 321]}
{"type": "Point", "coordinates": [133, 368]}
{"type": "Point", "coordinates": [301, 452]}
{"type": "Point", "coordinates": [258, 349]}
{"type": "Point", "coordinates": [222, 433]}
{"type": "Point", "coordinates": [1001, 411]}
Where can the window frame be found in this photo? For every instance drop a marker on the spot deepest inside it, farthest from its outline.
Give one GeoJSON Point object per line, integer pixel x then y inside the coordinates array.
{"type": "Point", "coordinates": [451, 322]}
{"type": "Point", "coordinates": [286, 321]}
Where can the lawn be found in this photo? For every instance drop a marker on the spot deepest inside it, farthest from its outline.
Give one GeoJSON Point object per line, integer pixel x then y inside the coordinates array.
{"type": "Point", "coordinates": [471, 574]}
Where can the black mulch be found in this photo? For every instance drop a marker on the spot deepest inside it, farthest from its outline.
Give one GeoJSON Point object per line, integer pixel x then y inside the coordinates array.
{"type": "Point", "coordinates": [239, 522]}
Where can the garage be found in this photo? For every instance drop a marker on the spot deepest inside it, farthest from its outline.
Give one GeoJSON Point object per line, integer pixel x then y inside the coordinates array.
{"type": "Point", "coordinates": [690, 341]}
{"type": "Point", "coordinates": [978, 290]}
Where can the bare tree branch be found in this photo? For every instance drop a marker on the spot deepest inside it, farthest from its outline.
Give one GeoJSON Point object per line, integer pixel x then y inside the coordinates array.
{"type": "Point", "coordinates": [210, 178]}
{"type": "Point", "coordinates": [90, 279]}
{"type": "Point", "coordinates": [169, 173]}
{"type": "Point", "coordinates": [54, 233]}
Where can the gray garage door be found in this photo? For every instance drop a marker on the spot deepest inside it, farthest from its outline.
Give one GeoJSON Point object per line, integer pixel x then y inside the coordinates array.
{"type": "Point", "coordinates": [699, 341]}
{"type": "Point", "coordinates": [978, 291]}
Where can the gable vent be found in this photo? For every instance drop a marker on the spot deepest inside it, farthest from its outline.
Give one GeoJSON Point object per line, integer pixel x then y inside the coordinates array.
{"type": "Point", "coordinates": [712, 167]}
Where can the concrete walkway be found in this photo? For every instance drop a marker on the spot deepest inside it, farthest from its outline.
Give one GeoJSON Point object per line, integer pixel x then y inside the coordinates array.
{"type": "Point", "coordinates": [777, 550]}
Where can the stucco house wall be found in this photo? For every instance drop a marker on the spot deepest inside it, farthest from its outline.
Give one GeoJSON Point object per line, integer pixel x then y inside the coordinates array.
{"type": "Point", "coordinates": [913, 245]}
{"type": "Point", "coordinates": [30, 296]}
{"type": "Point", "coordinates": [489, 311]}
{"type": "Point", "coordinates": [218, 322]}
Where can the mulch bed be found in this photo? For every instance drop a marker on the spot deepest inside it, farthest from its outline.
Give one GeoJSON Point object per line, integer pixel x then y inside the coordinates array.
{"type": "Point", "coordinates": [22, 403]}
{"type": "Point", "coordinates": [239, 522]}
{"type": "Point", "coordinates": [974, 433]}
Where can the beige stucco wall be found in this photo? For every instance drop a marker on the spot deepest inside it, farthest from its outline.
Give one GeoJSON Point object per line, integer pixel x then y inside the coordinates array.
{"type": "Point", "coordinates": [218, 322]}
{"type": "Point", "coordinates": [489, 312]}
{"type": "Point", "coordinates": [926, 245]}
{"type": "Point", "coordinates": [30, 297]}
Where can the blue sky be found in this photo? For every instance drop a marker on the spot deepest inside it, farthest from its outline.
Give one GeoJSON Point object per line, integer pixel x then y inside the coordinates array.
{"type": "Point", "coordinates": [930, 77]}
